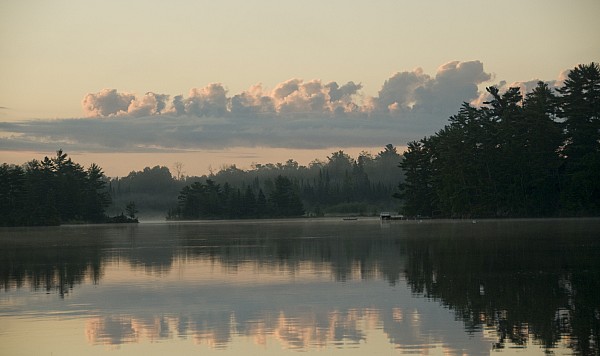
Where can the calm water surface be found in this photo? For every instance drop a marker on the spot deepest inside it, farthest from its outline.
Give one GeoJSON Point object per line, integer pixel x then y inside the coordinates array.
{"type": "Point", "coordinates": [282, 287]}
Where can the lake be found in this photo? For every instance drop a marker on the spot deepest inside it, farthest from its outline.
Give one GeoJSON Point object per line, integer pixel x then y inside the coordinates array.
{"type": "Point", "coordinates": [527, 287]}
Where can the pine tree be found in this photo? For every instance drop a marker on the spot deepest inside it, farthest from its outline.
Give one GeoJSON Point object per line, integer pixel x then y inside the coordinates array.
{"type": "Point", "coordinates": [285, 199]}
{"type": "Point", "coordinates": [580, 110]}
{"type": "Point", "coordinates": [417, 190]}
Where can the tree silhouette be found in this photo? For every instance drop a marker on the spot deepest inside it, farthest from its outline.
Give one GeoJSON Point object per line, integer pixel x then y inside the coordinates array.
{"type": "Point", "coordinates": [52, 191]}
{"type": "Point", "coordinates": [512, 156]}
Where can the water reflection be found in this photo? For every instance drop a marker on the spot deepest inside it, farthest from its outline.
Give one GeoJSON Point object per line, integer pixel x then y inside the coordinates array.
{"type": "Point", "coordinates": [47, 259]}
{"type": "Point", "coordinates": [318, 284]}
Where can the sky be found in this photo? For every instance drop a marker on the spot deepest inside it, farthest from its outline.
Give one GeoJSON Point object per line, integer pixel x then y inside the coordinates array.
{"type": "Point", "coordinates": [129, 84]}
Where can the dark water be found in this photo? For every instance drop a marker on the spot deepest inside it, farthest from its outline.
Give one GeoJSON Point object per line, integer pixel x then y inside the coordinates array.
{"type": "Point", "coordinates": [275, 287]}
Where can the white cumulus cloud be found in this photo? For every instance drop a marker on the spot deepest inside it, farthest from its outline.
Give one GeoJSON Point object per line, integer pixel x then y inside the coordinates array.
{"type": "Point", "coordinates": [294, 114]}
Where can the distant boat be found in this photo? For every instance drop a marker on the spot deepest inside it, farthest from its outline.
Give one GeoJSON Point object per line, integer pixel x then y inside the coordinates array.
{"type": "Point", "coordinates": [389, 216]}
{"type": "Point", "coordinates": [349, 219]}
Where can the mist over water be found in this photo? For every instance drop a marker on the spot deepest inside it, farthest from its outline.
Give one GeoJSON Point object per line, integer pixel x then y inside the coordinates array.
{"type": "Point", "coordinates": [281, 286]}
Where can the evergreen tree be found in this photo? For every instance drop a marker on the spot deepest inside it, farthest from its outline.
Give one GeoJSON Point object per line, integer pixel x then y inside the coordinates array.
{"type": "Point", "coordinates": [190, 200]}
{"type": "Point", "coordinates": [52, 191]}
{"type": "Point", "coordinates": [131, 210]}
{"type": "Point", "coordinates": [96, 196]}
{"type": "Point", "coordinates": [512, 157]}
{"type": "Point", "coordinates": [262, 209]}
{"type": "Point", "coordinates": [543, 138]}
{"type": "Point", "coordinates": [580, 110]}
{"type": "Point", "coordinates": [417, 190]}
{"type": "Point", "coordinates": [12, 195]}
{"type": "Point", "coordinates": [284, 198]}
{"type": "Point", "coordinates": [249, 203]}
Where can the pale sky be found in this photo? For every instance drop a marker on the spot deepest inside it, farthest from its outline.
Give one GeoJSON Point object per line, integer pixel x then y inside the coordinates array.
{"type": "Point", "coordinates": [431, 56]}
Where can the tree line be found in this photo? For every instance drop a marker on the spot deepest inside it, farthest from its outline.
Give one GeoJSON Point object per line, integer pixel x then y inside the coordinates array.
{"type": "Point", "coordinates": [527, 156]}
{"type": "Point", "coordinates": [52, 191]}
{"type": "Point", "coordinates": [210, 200]}
{"type": "Point", "coordinates": [339, 185]}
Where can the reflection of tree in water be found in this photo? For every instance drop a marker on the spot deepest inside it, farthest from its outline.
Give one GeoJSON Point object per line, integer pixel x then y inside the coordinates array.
{"type": "Point", "coordinates": [545, 284]}
{"type": "Point", "coordinates": [348, 253]}
{"type": "Point", "coordinates": [150, 251]}
{"type": "Point", "coordinates": [50, 261]}
{"type": "Point", "coordinates": [526, 279]}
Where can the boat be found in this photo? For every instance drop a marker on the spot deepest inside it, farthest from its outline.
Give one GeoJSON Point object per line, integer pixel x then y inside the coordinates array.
{"type": "Point", "coordinates": [389, 216]}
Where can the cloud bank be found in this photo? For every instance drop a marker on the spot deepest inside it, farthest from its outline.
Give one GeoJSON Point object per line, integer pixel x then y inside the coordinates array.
{"type": "Point", "coordinates": [294, 114]}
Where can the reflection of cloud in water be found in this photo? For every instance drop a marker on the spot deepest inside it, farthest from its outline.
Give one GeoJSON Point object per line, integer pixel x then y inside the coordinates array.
{"type": "Point", "coordinates": [296, 331]}
{"type": "Point", "coordinates": [111, 330]}
{"type": "Point", "coordinates": [218, 283]}
{"type": "Point", "coordinates": [302, 329]}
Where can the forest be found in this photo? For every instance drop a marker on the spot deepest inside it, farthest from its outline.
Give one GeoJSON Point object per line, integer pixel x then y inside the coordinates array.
{"type": "Point", "coordinates": [341, 185]}
{"type": "Point", "coordinates": [52, 191]}
{"type": "Point", "coordinates": [536, 155]}
{"type": "Point", "coordinates": [56, 190]}
{"type": "Point", "coordinates": [532, 155]}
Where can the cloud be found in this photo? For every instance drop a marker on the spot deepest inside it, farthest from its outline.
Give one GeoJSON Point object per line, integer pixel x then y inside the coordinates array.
{"type": "Point", "coordinates": [294, 96]}
{"type": "Point", "coordinates": [169, 132]}
{"type": "Point", "coordinates": [399, 92]}
{"type": "Point", "coordinates": [208, 101]}
{"type": "Point", "coordinates": [149, 104]}
{"type": "Point", "coordinates": [107, 102]}
{"type": "Point", "coordinates": [524, 86]}
{"type": "Point", "coordinates": [294, 114]}
{"type": "Point", "coordinates": [110, 103]}
{"type": "Point", "coordinates": [454, 83]}
{"type": "Point", "coordinates": [253, 101]}
{"type": "Point", "coordinates": [403, 93]}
